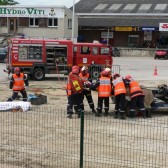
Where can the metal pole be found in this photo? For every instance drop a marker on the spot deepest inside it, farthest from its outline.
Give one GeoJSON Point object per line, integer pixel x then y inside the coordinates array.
{"type": "Point", "coordinates": [81, 139]}
{"type": "Point", "coordinates": [108, 36]}
{"type": "Point", "coordinates": [73, 21]}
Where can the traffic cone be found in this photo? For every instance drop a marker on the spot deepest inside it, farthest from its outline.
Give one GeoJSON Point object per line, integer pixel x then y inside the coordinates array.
{"type": "Point", "coordinates": [155, 71]}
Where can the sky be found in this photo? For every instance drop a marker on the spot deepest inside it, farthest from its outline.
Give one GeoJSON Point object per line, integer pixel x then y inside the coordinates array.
{"type": "Point", "coordinates": [67, 3]}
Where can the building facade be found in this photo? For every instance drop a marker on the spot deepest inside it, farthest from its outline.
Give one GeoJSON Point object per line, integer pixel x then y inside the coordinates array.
{"type": "Point", "coordinates": [129, 23]}
{"type": "Point", "coordinates": [40, 21]}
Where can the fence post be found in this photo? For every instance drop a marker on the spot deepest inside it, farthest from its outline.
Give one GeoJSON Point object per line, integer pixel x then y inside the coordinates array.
{"type": "Point", "coordinates": [81, 138]}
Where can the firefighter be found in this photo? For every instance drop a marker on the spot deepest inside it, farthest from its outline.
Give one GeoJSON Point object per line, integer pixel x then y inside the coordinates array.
{"type": "Point", "coordinates": [109, 71]}
{"type": "Point", "coordinates": [104, 92]}
{"type": "Point", "coordinates": [86, 77]}
{"type": "Point", "coordinates": [74, 92]}
{"type": "Point", "coordinates": [120, 94]}
{"type": "Point", "coordinates": [137, 96]}
{"type": "Point", "coordinates": [17, 83]}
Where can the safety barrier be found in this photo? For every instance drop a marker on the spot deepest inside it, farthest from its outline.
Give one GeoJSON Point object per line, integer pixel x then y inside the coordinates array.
{"type": "Point", "coordinates": [45, 137]}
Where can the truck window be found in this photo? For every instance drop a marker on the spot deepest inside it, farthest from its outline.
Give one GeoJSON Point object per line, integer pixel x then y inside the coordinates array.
{"type": "Point", "coordinates": [104, 51]}
{"type": "Point", "coordinates": [94, 51]}
{"type": "Point", "coordinates": [30, 52]}
{"type": "Point", "coordinates": [85, 50]}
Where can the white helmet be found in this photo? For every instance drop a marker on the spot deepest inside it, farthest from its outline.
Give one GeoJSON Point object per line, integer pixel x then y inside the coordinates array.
{"type": "Point", "coordinates": [108, 69]}
{"type": "Point", "coordinates": [84, 68]}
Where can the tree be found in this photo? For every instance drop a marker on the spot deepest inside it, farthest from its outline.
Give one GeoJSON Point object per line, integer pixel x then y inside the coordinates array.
{"type": "Point", "coordinates": [8, 2]}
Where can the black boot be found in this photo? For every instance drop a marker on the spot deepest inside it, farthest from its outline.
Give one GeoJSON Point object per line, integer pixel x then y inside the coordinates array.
{"type": "Point", "coordinates": [122, 116]}
{"type": "Point", "coordinates": [132, 114]}
{"type": "Point", "coordinates": [93, 110]}
{"type": "Point", "coordinates": [106, 113]}
{"type": "Point", "coordinates": [115, 114]}
{"type": "Point", "coordinates": [144, 114]}
{"type": "Point", "coordinates": [98, 114]}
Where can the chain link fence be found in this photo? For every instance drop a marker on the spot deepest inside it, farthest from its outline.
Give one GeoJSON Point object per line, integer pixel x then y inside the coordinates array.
{"type": "Point", "coordinates": [45, 138]}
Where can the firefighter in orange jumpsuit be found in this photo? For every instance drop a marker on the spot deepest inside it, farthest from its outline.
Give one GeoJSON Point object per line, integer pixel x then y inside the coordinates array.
{"type": "Point", "coordinates": [119, 93]}
{"type": "Point", "coordinates": [74, 92]}
{"type": "Point", "coordinates": [86, 77]}
{"type": "Point", "coordinates": [137, 96]}
{"type": "Point", "coordinates": [17, 84]}
{"type": "Point", "coordinates": [104, 92]}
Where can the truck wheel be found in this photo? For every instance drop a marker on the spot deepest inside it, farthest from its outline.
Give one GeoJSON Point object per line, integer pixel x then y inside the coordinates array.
{"type": "Point", "coordinates": [38, 74]}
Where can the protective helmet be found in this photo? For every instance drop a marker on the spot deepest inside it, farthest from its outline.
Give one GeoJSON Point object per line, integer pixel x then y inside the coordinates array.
{"type": "Point", "coordinates": [108, 69]}
{"type": "Point", "coordinates": [105, 73]}
{"type": "Point", "coordinates": [17, 70]}
{"type": "Point", "coordinates": [84, 68]}
{"type": "Point", "coordinates": [75, 71]}
{"type": "Point", "coordinates": [116, 75]}
{"type": "Point", "coordinates": [75, 67]}
{"type": "Point", "coordinates": [128, 77]}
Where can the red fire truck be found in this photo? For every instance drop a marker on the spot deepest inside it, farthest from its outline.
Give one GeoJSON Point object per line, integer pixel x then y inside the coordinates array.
{"type": "Point", "coordinates": [37, 57]}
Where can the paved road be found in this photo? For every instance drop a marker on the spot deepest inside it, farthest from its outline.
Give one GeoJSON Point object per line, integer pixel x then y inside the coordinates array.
{"type": "Point", "coordinates": [142, 68]}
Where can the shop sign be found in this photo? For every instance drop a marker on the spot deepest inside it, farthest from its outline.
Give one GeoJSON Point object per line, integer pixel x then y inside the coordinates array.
{"type": "Point", "coordinates": [123, 28]}
{"type": "Point", "coordinates": [106, 35]}
{"type": "Point", "coordinates": [31, 12]}
{"type": "Point", "coordinates": [148, 28]}
{"type": "Point", "coordinates": [163, 26]}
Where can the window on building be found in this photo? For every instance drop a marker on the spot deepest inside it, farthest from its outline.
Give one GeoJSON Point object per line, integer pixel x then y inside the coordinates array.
{"type": "Point", "coordinates": [70, 23]}
{"type": "Point", "coordinates": [52, 22]}
{"type": "Point", "coordinates": [34, 22]}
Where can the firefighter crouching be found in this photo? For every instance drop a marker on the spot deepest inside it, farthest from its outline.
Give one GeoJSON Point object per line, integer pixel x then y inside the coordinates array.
{"type": "Point", "coordinates": [137, 96]}
{"type": "Point", "coordinates": [74, 92]}
{"type": "Point", "coordinates": [17, 84]}
{"type": "Point", "coordinates": [104, 92]}
{"type": "Point", "coordinates": [120, 94]}
{"type": "Point", "coordinates": [86, 77]}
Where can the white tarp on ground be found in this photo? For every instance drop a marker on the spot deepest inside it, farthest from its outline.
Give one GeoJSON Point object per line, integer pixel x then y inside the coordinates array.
{"type": "Point", "coordinates": [15, 104]}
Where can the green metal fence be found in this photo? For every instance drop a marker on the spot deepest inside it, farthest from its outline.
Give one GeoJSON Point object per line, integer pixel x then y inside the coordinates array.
{"type": "Point", "coordinates": [46, 138]}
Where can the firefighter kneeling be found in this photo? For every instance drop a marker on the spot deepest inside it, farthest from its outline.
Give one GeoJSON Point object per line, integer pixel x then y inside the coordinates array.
{"type": "Point", "coordinates": [17, 82]}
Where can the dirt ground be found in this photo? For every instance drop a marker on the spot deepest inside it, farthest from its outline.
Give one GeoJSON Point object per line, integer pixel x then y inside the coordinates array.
{"type": "Point", "coordinates": [44, 137]}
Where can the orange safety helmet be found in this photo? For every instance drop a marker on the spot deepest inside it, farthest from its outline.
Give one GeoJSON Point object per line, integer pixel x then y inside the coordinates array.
{"type": "Point", "coordinates": [116, 75]}
{"type": "Point", "coordinates": [17, 70]}
{"type": "Point", "coordinates": [128, 77]}
{"type": "Point", "coordinates": [105, 73]}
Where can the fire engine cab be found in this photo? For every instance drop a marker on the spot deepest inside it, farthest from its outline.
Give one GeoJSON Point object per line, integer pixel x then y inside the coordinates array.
{"type": "Point", "coordinates": [37, 57]}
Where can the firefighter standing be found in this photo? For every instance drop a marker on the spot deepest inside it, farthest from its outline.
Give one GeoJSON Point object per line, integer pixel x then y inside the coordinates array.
{"type": "Point", "coordinates": [119, 93]}
{"type": "Point", "coordinates": [86, 77]}
{"type": "Point", "coordinates": [104, 92]}
{"type": "Point", "coordinates": [137, 96]}
{"type": "Point", "coordinates": [17, 83]}
{"type": "Point", "coordinates": [74, 92]}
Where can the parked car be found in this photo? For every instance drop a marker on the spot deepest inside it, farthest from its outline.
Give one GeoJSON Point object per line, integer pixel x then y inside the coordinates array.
{"type": "Point", "coordinates": [3, 54]}
{"type": "Point", "coordinates": [115, 52]}
{"type": "Point", "coordinates": [161, 53]}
